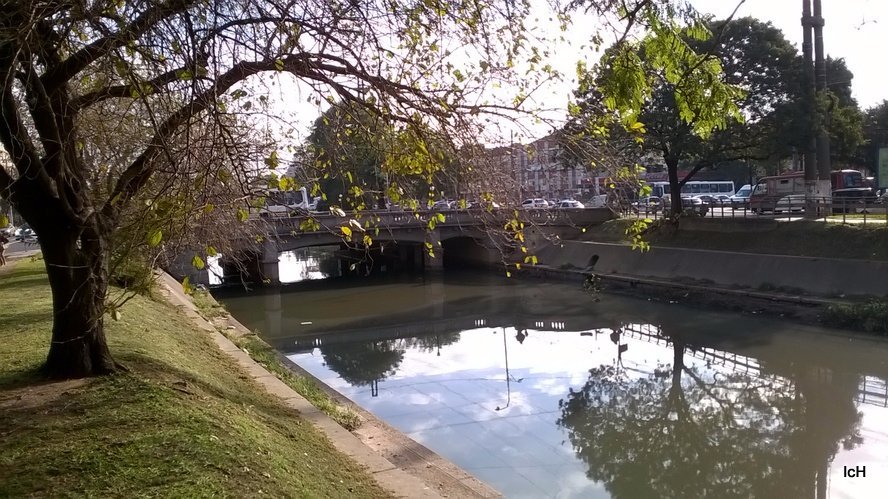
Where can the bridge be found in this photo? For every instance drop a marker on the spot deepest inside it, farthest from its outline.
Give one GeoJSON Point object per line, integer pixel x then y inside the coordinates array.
{"type": "Point", "coordinates": [472, 235]}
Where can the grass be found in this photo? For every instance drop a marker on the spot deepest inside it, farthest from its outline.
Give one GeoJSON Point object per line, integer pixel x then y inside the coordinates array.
{"type": "Point", "coordinates": [814, 239]}
{"type": "Point", "coordinates": [262, 353]}
{"type": "Point", "coordinates": [265, 355]}
{"type": "Point", "coordinates": [183, 422]}
{"type": "Point", "coordinates": [871, 316]}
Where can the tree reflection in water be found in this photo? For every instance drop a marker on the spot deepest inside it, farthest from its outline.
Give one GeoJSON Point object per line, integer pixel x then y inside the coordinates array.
{"type": "Point", "coordinates": [687, 432]}
{"type": "Point", "coordinates": [364, 363]}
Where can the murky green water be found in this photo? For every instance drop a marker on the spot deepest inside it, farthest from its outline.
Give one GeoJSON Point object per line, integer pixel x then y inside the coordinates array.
{"type": "Point", "coordinates": [541, 391]}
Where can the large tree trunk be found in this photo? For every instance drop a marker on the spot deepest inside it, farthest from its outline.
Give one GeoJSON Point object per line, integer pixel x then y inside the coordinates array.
{"type": "Point", "coordinates": [674, 190]}
{"type": "Point", "coordinates": [78, 276]}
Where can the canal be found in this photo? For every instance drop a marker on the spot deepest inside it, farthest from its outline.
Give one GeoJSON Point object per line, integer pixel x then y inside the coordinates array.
{"type": "Point", "coordinates": [543, 390]}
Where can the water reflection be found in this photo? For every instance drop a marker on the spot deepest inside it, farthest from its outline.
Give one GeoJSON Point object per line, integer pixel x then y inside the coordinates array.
{"type": "Point", "coordinates": [691, 431]}
{"type": "Point", "coordinates": [366, 363]}
{"type": "Point", "coordinates": [541, 392]}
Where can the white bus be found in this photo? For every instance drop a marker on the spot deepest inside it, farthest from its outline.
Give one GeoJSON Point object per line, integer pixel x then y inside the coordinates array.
{"type": "Point", "coordinates": [694, 187]}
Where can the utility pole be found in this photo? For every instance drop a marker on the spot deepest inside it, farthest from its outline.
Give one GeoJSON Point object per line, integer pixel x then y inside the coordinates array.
{"type": "Point", "coordinates": [810, 148]}
{"type": "Point", "coordinates": [823, 146]}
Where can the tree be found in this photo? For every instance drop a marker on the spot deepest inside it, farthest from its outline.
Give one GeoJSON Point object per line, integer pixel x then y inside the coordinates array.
{"type": "Point", "coordinates": [875, 130]}
{"type": "Point", "coordinates": [705, 110]}
{"type": "Point", "coordinates": [170, 66]}
{"type": "Point", "coordinates": [787, 131]}
{"type": "Point", "coordinates": [178, 69]}
{"type": "Point", "coordinates": [348, 145]}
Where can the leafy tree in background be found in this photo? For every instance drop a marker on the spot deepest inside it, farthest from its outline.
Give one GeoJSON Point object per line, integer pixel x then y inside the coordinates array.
{"type": "Point", "coordinates": [875, 130]}
{"type": "Point", "coordinates": [348, 146]}
{"type": "Point", "coordinates": [787, 129]}
{"type": "Point", "coordinates": [746, 59]}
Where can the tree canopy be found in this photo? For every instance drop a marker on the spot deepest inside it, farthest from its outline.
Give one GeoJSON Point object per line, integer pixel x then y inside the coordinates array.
{"type": "Point", "coordinates": [141, 115]}
{"type": "Point", "coordinates": [763, 79]}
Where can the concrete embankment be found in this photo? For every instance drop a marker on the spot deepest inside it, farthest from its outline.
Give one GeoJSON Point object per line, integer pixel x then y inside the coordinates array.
{"type": "Point", "coordinates": [824, 277]}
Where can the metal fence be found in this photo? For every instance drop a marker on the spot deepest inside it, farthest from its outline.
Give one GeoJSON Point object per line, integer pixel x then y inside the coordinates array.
{"type": "Point", "coordinates": [852, 211]}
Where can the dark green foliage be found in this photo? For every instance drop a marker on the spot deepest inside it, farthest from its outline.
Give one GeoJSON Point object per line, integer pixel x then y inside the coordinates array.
{"type": "Point", "coordinates": [870, 316]}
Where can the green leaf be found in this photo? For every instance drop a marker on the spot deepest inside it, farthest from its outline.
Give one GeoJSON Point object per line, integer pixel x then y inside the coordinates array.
{"type": "Point", "coordinates": [272, 160]}
{"type": "Point", "coordinates": [184, 74]}
{"type": "Point", "coordinates": [186, 286]}
{"type": "Point", "coordinates": [211, 251]}
{"type": "Point", "coordinates": [279, 65]}
{"type": "Point", "coordinates": [440, 217]}
{"type": "Point", "coordinates": [286, 184]}
{"type": "Point", "coordinates": [242, 214]}
{"type": "Point", "coordinates": [154, 237]}
{"type": "Point", "coordinates": [4, 220]}
{"type": "Point", "coordinates": [198, 262]}
{"type": "Point", "coordinates": [345, 231]}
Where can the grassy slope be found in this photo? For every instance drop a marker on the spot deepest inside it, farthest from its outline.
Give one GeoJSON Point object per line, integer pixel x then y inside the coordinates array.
{"type": "Point", "coordinates": [797, 238]}
{"type": "Point", "coordinates": [184, 422]}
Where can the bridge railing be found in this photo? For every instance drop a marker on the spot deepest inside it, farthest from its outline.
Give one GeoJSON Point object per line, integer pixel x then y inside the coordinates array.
{"type": "Point", "coordinates": [387, 219]}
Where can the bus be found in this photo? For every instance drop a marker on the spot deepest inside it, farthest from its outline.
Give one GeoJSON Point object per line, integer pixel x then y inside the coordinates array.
{"type": "Point", "coordinates": [846, 184]}
{"type": "Point", "coordinates": [695, 187]}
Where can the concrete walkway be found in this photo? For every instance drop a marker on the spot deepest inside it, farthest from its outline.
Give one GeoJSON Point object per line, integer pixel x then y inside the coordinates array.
{"type": "Point", "coordinates": [386, 474]}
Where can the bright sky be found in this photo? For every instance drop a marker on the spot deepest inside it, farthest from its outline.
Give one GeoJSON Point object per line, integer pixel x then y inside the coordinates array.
{"type": "Point", "coordinates": [856, 30]}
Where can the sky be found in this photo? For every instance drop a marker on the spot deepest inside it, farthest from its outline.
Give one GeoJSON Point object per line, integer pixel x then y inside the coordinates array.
{"type": "Point", "coordinates": [856, 30]}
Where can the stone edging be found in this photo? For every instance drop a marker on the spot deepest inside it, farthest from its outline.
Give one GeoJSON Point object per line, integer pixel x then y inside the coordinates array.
{"type": "Point", "coordinates": [452, 480]}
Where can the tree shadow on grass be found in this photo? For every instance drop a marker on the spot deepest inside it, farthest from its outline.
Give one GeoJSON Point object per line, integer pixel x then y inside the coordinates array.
{"type": "Point", "coordinates": [11, 321]}
{"type": "Point", "coordinates": [17, 281]}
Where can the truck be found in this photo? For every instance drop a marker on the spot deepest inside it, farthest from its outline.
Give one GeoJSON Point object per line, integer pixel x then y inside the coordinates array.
{"type": "Point", "coordinates": [847, 186]}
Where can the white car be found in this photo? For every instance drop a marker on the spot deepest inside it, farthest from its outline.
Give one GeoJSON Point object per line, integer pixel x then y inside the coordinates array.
{"type": "Point", "coordinates": [741, 199]}
{"type": "Point", "coordinates": [535, 204]}
{"type": "Point", "coordinates": [443, 204]}
{"type": "Point", "coordinates": [599, 201]}
{"type": "Point", "coordinates": [570, 204]}
{"type": "Point", "coordinates": [791, 203]}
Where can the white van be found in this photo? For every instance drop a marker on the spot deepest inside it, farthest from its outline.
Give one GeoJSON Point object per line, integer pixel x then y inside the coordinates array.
{"type": "Point", "coordinates": [286, 203]}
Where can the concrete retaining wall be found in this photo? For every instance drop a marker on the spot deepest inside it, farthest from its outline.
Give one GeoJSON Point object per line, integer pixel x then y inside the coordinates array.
{"type": "Point", "coordinates": [816, 276]}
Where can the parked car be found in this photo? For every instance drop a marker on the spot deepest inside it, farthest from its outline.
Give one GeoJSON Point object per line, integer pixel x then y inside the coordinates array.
{"type": "Point", "coordinates": [443, 204]}
{"type": "Point", "coordinates": [707, 199]}
{"type": "Point", "coordinates": [599, 201]}
{"type": "Point", "coordinates": [741, 199]}
{"type": "Point", "coordinates": [790, 204]}
{"type": "Point", "coordinates": [482, 205]}
{"type": "Point", "coordinates": [723, 200]}
{"type": "Point", "coordinates": [24, 233]}
{"type": "Point", "coordinates": [570, 204]}
{"type": "Point", "coordinates": [535, 204]}
{"type": "Point", "coordinates": [648, 204]}
{"type": "Point", "coordinates": [689, 203]}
